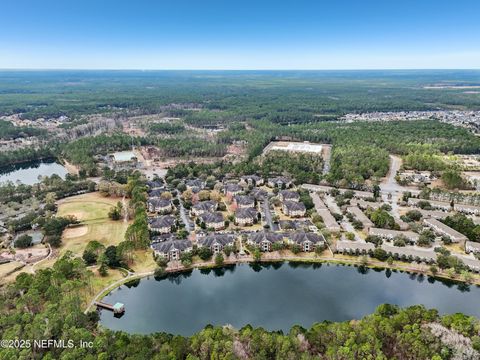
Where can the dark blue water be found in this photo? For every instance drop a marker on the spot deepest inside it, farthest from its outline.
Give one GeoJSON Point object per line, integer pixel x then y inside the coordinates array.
{"type": "Point", "coordinates": [276, 297]}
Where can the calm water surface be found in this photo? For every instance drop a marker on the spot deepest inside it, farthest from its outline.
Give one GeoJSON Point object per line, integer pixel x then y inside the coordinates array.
{"type": "Point", "coordinates": [28, 173]}
{"type": "Point", "coordinates": [276, 297]}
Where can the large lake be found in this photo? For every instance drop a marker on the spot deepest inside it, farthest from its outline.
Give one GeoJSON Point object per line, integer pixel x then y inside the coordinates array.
{"type": "Point", "coordinates": [276, 297]}
{"type": "Point", "coordinates": [28, 173]}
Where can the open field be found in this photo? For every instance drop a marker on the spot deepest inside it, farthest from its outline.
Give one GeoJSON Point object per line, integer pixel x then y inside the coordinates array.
{"type": "Point", "coordinates": [8, 268]}
{"type": "Point", "coordinates": [92, 211]}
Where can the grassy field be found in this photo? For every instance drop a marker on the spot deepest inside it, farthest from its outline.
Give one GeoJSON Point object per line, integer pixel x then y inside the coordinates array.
{"type": "Point", "coordinates": [92, 212]}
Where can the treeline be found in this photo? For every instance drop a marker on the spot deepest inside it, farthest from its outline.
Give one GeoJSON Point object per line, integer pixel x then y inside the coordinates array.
{"type": "Point", "coordinates": [27, 154]}
{"type": "Point", "coordinates": [190, 146]}
{"type": "Point", "coordinates": [49, 184]}
{"type": "Point", "coordinates": [49, 303]}
{"type": "Point", "coordinates": [137, 233]}
{"type": "Point", "coordinates": [166, 128]}
{"type": "Point", "coordinates": [8, 131]}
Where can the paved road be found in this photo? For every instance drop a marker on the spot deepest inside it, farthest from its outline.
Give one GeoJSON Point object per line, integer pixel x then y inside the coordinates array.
{"type": "Point", "coordinates": [390, 187]}
{"type": "Point", "coordinates": [326, 164]}
{"type": "Point", "coordinates": [183, 215]}
{"type": "Point", "coordinates": [268, 215]}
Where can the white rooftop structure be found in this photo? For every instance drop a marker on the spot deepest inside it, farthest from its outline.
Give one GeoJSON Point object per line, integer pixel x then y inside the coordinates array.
{"type": "Point", "coordinates": [305, 147]}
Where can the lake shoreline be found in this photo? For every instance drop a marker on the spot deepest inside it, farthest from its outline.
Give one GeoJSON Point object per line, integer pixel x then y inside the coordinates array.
{"type": "Point", "coordinates": [326, 292]}
{"type": "Point", "coordinates": [294, 259]}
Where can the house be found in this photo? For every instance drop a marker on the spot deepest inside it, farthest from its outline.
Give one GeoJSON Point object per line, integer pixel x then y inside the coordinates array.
{"type": "Point", "coordinates": [253, 180]}
{"type": "Point", "coordinates": [195, 185]}
{"type": "Point", "coordinates": [328, 189]}
{"type": "Point", "coordinates": [159, 205]}
{"type": "Point", "coordinates": [472, 264]}
{"type": "Point", "coordinates": [157, 238]}
{"type": "Point", "coordinates": [433, 214]}
{"type": "Point", "coordinates": [154, 184]}
{"type": "Point", "coordinates": [156, 193]}
{"type": "Point", "coordinates": [203, 207]}
{"type": "Point", "coordinates": [425, 177]}
{"type": "Point", "coordinates": [287, 195]}
{"type": "Point", "coordinates": [259, 194]}
{"type": "Point", "coordinates": [232, 189]}
{"type": "Point", "coordinates": [172, 249]}
{"type": "Point", "coordinates": [307, 240]}
{"type": "Point", "coordinates": [390, 235]}
{"type": "Point", "coordinates": [472, 247]}
{"type": "Point", "coordinates": [264, 240]}
{"type": "Point", "coordinates": [322, 210]}
{"type": "Point", "coordinates": [442, 229]}
{"type": "Point", "coordinates": [162, 224]}
{"type": "Point", "coordinates": [246, 216]}
{"type": "Point", "coordinates": [213, 220]}
{"type": "Point", "coordinates": [409, 252]}
{"type": "Point", "coordinates": [354, 247]}
{"type": "Point", "coordinates": [329, 221]}
{"type": "Point", "coordinates": [293, 208]}
{"type": "Point", "coordinates": [439, 205]}
{"type": "Point", "coordinates": [302, 225]}
{"type": "Point", "coordinates": [243, 201]}
{"type": "Point", "coordinates": [467, 209]}
{"type": "Point", "coordinates": [217, 242]}
{"type": "Point", "coordinates": [280, 182]}
{"type": "Point", "coordinates": [360, 216]}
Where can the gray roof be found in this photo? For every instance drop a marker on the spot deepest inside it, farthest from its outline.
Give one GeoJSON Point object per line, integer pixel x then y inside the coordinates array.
{"type": "Point", "coordinates": [252, 177]}
{"type": "Point", "coordinates": [155, 193]}
{"type": "Point", "coordinates": [265, 236]}
{"type": "Point", "coordinates": [212, 217]}
{"type": "Point", "coordinates": [153, 184]}
{"type": "Point", "coordinates": [246, 213]}
{"type": "Point", "coordinates": [258, 193]}
{"type": "Point", "coordinates": [159, 202]}
{"type": "Point", "coordinates": [223, 239]}
{"type": "Point", "coordinates": [162, 221]}
{"type": "Point", "coordinates": [409, 251]}
{"type": "Point", "coordinates": [195, 183]}
{"type": "Point", "coordinates": [353, 245]}
{"type": "Point", "coordinates": [359, 215]}
{"type": "Point", "coordinates": [232, 188]}
{"type": "Point", "coordinates": [294, 206]}
{"type": "Point", "coordinates": [289, 195]}
{"type": "Point", "coordinates": [163, 237]}
{"type": "Point", "coordinates": [170, 245]}
{"type": "Point", "coordinates": [387, 233]}
{"type": "Point", "coordinates": [244, 200]}
{"type": "Point", "coordinates": [439, 226]}
{"type": "Point", "coordinates": [208, 205]}
{"type": "Point", "coordinates": [301, 237]}
{"type": "Point", "coordinates": [473, 245]}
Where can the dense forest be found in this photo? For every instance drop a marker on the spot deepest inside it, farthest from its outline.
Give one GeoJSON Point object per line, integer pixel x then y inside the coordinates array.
{"type": "Point", "coordinates": [277, 96]}
{"type": "Point", "coordinates": [48, 305]}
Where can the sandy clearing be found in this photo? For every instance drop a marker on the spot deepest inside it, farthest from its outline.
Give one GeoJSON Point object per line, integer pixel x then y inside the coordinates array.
{"type": "Point", "coordinates": [74, 232]}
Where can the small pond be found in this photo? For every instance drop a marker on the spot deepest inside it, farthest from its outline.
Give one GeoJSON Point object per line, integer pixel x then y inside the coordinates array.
{"type": "Point", "coordinates": [29, 173]}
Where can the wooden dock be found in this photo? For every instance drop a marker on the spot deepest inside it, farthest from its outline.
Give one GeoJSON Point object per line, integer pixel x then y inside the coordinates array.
{"type": "Point", "coordinates": [117, 308]}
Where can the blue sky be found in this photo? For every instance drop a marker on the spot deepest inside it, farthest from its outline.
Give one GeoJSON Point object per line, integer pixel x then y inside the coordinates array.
{"type": "Point", "coordinates": [230, 34]}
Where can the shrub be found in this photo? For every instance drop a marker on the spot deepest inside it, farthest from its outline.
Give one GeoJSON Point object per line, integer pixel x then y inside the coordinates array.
{"type": "Point", "coordinates": [23, 241]}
